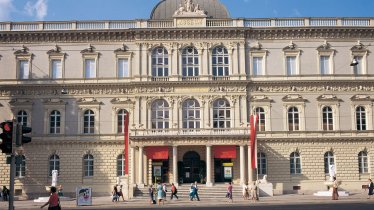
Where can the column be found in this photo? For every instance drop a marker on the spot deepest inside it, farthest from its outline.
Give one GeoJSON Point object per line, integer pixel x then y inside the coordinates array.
{"type": "Point", "coordinates": [250, 171]}
{"type": "Point", "coordinates": [132, 176]}
{"type": "Point", "coordinates": [175, 165]}
{"type": "Point", "coordinates": [141, 165]}
{"type": "Point", "coordinates": [242, 65]}
{"type": "Point", "coordinates": [242, 165]}
{"type": "Point", "coordinates": [208, 166]}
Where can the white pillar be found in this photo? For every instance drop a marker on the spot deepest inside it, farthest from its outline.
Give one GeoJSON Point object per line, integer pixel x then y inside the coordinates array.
{"type": "Point", "coordinates": [250, 171]}
{"type": "Point", "coordinates": [175, 165]}
{"type": "Point", "coordinates": [242, 165]}
{"type": "Point", "coordinates": [208, 166]}
{"type": "Point", "coordinates": [141, 164]}
{"type": "Point", "coordinates": [132, 176]}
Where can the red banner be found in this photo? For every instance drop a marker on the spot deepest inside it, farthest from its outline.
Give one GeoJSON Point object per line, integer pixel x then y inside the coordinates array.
{"type": "Point", "coordinates": [157, 153]}
{"type": "Point", "coordinates": [253, 125]}
{"type": "Point", "coordinates": [225, 151]}
{"type": "Point", "coordinates": [126, 133]}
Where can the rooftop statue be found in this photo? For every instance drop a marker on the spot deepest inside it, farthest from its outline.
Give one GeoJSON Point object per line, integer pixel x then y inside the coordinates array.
{"type": "Point", "coordinates": [189, 9]}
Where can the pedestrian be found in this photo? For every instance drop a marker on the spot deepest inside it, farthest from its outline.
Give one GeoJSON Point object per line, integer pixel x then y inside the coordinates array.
{"type": "Point", "coordinates": [5, 193]}
{"type": "Point", "coordinates": [151, 193]}
{"type": "Point", "coordinates": [174, 191]}
{"type": "Point", "coordinates": [253, 188]}
{"type": "Point", "coordinates": [164, 190]}
{"type": "Point", "coordinates": [370, 188]}
{"type": "Point", "coordinates": [229, 193]}
{"type": "Point", "coordinates": [120, 193]}
{"type": "Point", "coordinates": [335, 194]}
{"type": "Point", "coordinates": [115, 194]}
{"type": "Point", "coordinates": [53, 201]}
{"type": "Point", "coordinates": [192, 192]}
{"type": "Point", "coordinates": [160, 194]}
{"type": "Point", "coordinates": [245, 192]}
{"type": "Point", "coordinates": [196, 191]}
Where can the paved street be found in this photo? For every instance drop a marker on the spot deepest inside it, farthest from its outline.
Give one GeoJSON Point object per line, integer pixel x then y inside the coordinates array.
{"type": "Point", "coordinates": [356, 201]}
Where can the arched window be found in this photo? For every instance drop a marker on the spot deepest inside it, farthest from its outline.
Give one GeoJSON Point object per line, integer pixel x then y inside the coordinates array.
{"type": "Point", "coordinates": [261, 118]}
{"type": "Point", "coordinates": [329, 160]}
{"type": "Point", "coordinates": [121, 165]}
{"type": "Point", "coordinates": [360, 118]}
{"type": "Point", "coordinates": [293, 119]}
{"type": "Point", "coordinates": [160, 62]}
{"type": "Point", "coordinates": [89, 122]}
{"type": "Point", "coordinates": [327, 119]}
{"type": "Point", "coordinates": [363, 162]}
{"type": "Point", "coordinates": [55, 122]}
{"type": "Point", "coordinates": [88, 162]}
{"type": "Point", "coordinates": [190, 62]}
{"type": "Point", "coordinates": [191, 114]}
{"type": "Point", "coordinates": [54, 164]}
{"type": "Point", "coordinates": [121, 117]}
{"type": "Point", "coordinates": [295, 163]}
{"type": "Point", "coordinates": [221, 114]}
{"type": "Point", "coordinates": [22, 117]}
{"type": "Point", "coordinates": [220, 62]}
{"type": "Point", "coordinates": [261, 163]}
{"type": "Point", "coordinates": [160, 114]}
{"type": "Point", "coordinates": [21, 167]}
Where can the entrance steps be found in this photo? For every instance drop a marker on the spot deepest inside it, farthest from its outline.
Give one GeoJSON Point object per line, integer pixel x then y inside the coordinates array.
{"type": "Point", "coordinates": [218, 191]}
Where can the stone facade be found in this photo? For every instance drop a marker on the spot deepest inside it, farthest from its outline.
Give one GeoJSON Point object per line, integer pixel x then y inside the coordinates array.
{"type": "Point", "coordinates": [243, 89]}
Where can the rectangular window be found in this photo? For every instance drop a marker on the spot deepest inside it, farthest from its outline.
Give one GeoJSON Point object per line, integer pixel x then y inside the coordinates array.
{"type": "Point", "coordinates": [257, 66]}
{"type": "Point", "coordinates": [123, 68]}
{"type": "Point", "coordinates": [24, 69]}
{"type": "Point", "coordinates": [325, 65]}
{"type": "Point", "coordinates": [358, 69]}
{"type": "Point", "coordinates": [90, 68]}
{"type": "Point", "coordinates": [291, 65]}
{"type": "Point", "coordinates": [56, 69]}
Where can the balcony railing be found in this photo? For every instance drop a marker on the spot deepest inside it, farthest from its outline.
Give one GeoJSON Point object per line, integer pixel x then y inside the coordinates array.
{"type": "Point", "coordinates": [127, 24]}
{"type": "Point", "coordinates": [191, 132]}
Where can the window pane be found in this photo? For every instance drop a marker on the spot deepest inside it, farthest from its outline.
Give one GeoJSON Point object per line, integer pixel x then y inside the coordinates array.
{"type": "Point", "coordinates": [291, 65]}
{"type": "Point", "coordinates": [90, 71]}
{"type": "Point", "coordinates": [123, 68]}
{"type": "Point", "coordinates": [24, 71]}
{"type": "Point", "coordinates": [325, 67]}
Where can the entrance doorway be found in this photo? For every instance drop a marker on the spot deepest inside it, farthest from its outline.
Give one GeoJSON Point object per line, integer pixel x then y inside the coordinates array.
{"type": "Point", "coordinates": [193, 168]}
{"type": "Point", "coordinates": [160, 171]}
{"type": "Point", "coordinates": [222, 169]}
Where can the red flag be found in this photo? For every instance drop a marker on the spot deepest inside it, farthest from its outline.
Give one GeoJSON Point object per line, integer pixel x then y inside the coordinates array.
{"type": "Point", "coordinates": [253, 124]}
{"type": "Point", "coordinates": [126, 133]}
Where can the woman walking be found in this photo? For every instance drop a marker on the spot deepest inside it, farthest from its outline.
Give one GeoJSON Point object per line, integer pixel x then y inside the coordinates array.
{"type": "Point", "coordinates": [229, 193]}
{"type": "Point", "coordinates": [370, 188]}
{"type": "Point", "coordinates": [53, 202]}
{"type": "Point", "coordinates": [335, 194]}
{"type": "Point", "coordinates": [160, 194]}
{"type": "Point", "coordinates": [173, 191]}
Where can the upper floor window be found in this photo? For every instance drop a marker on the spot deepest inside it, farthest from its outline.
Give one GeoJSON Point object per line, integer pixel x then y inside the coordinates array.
{"type": "Point", "coordinates": [89, 122]}
{"type": "Point", "coordinates": [325, 59]}
{"type": "Point", "coordinates": [220, 62]}
{"type": "Point", "coordinates": [24, 69]}
{"type": "Point", "coordinates": [121, 117]}
{"type": "Point", "coordinates": [88, 165]}
{"type": "Point", "coordinates": [291, 65]}
{"type": "Point", "coordinates": [56, 68]}
{"type": "Point", "coordinates": [360, 118]}
{"type": "Point", "coordinates": [363, 166]}
{"type": "Point", "coordinates": [89, 68]}
{"type": "Point", "coordinates": [190, 62]}
{"type": "Point", "coordinates": [54, 164]}
{"type": "Point", "coordinates": [261, 163]}
{"type": "Point", "coordinates": [261, 118]}
{"type": "Point", "coordinates": [121, 165]}
{"type": "Point", "coordinates": [21, 167]}
{"type": "Point", "coordinates": [359, 55]}
{"type": "Point", "coordinates": [191, 114]}
{"type": "Point", "coordinates": [358, 69]}
{"type": "Point", "coordinates": [160, 62]}
{"type": "Point", "coordinates": [123, 67]}
{"type": "Point", "coordinates": [22, 117]}
{"type": "Point", "coordinates": [221, 114]}
{"type": "Point", "coordinates": [325, 65]}
{"type": "Point", "coordinates": [329, 160]}
{"type": "Point", "coordinates": [295, 163]}
{"type": "Point", "coordinates": [293, 119]}
{"type": "Point", "coordinates": [257, 66]}
{"type": "Point", "coordinates": [160, 114]}
{"type": "Point", "coordinates": [327, 119]}
{"type": "Point", "coordinates": [55, 122]}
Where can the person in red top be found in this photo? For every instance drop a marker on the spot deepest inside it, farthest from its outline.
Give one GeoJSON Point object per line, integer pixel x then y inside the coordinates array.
{"type": "Point", "coordinates": [229, 192]}
{"type": "Point", "coordinates": [53, 201]}
{"type": "Point", "coordinates": [173, 191]}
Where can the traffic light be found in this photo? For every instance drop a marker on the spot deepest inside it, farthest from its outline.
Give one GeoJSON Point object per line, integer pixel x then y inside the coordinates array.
{"type": "Point", "coordinates": [21, 139]}
{"type": "Point", "coordinates": [6, 137]}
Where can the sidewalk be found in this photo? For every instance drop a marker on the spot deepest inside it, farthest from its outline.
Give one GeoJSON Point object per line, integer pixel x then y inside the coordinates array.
{"type": "Point", "coordinates": [105, 202]}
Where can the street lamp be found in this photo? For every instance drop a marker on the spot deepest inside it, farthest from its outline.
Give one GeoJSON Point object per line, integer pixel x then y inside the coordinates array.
{"type": "Point", "coordinates": [354, 62]}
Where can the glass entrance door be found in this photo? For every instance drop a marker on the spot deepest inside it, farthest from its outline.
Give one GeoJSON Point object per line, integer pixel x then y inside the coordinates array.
{"type": "Point", "coordinates": [192, 167]}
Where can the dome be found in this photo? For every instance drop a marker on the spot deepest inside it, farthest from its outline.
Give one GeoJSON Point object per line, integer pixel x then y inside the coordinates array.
{"type": "Point", "coordinates": [166, 8]}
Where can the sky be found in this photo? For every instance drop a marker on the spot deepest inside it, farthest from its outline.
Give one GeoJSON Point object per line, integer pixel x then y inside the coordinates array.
{"type": "Point", "coordinates": [65, 10]}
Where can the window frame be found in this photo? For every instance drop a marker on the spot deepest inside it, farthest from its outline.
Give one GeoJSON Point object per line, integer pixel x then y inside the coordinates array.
{"type": "Point", "coordinates": [329, 159]}
{"type": "Point", "coordinates": [89, 129]}
{"type": "Point", "coordinates": [258, 53]}
{"type": "Point", "coordinates": [157, 66]}
{"type": "Point", "coordinates": [295, 160]}
{"type": "Point", "coordinates": [363, 162]}
{"type": "Point", "coordinates": [120, 128]}
{"type": "Point", "coordinates": [215, 66]}
{"type": "Point", "coordinates": [121, 164]}
{"type": "Point", "coordinates": [195, 65]}
{"type": "Point", "coordinates": [219, 119]}
{"type": "Point", "coordinates": [329, 120]}
{"type": "Point", "coordinates": [261, 161]}
{"type": "Point", "coordinates": [88, 163]}
{"type": "Point", "coordinates": [196, 111]}
{"type": "Point", "coordinates": [58, 114]}
{"type": "Point", "coordinates": [163, 119]}
{"type": "Point", "coordinates": [21, 168]}
{"type": "Point", "coordinates": [294, 118]}
{"type": "Point", "coordinates": [55, 160]}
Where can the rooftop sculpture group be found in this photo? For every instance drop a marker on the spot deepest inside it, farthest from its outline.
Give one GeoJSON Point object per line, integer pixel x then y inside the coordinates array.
{"type": "Point", "coordinates": [189, 9]}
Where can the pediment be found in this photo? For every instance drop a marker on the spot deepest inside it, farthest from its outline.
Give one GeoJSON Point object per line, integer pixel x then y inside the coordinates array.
{"type": "Point", "coordinates": [328, 97]}
{"type": "Point", "coordinates": [88, 101]}
{"type": "Point", "coordinates": [54, 102]}
{"type": "Point", "coordinates": [122, 101]}
{"type": "Point", "coordinates": [361, 98]}
{"type": "Point", "coordinates": [260, 98]}
{"type": "Point", "coordinates": [293, 98]}
{"type": "Point", "coordinates": [21, 102]}
{"type": "Point", "coordinates": [325, 47]}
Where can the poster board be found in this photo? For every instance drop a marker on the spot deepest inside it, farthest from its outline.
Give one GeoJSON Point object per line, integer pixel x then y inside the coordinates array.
{"type": "Point", "coordinates": [157, 170]}
{"type": "Point", "coordinates": [227, 172]}
{"type": "Point", "coordinates": [84, 196]}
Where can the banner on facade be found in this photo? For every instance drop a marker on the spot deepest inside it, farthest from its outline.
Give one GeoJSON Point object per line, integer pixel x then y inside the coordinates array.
{"type": "Point", "coordinates": [225, 151]}
{"type": "Point", "coordinates": [157, 153]}
{"type": "Point", "coordinates": [253, 129]}
{"type": "Point", "coordinates": [84, 196]}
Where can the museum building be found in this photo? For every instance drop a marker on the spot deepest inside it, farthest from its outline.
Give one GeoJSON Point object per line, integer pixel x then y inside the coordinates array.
{"type": "Point", "coordinates": [185, 81]}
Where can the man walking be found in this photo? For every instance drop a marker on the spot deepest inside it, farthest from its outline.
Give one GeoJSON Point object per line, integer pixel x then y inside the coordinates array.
{"type": "Point", "coordinates": [196, 191]}
{"type": "Point", "coordinates": [173, 191]}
